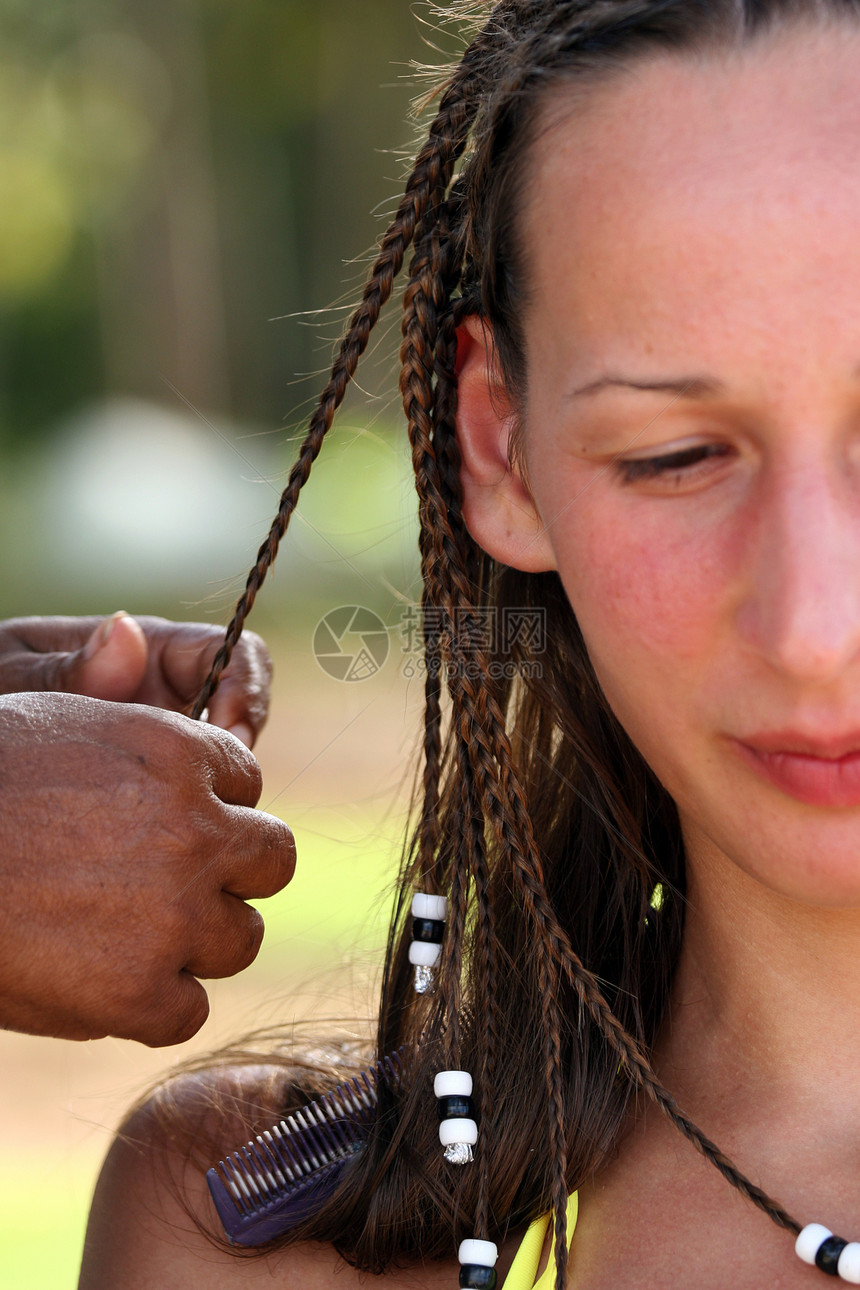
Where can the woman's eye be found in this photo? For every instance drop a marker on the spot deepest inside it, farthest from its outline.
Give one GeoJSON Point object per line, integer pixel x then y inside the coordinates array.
{"type": "Point", "coordinates": [681, 464]}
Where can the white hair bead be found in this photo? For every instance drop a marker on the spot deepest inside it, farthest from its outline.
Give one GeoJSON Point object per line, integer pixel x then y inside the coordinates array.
{"type": "Point", "coordinates": [451, 1131]}
{"type": "Point", "coordinates": [484, 1253]}
{"type": "Point", "coordinates": [425, 906]}
{"type": "Point", "coordinates": [810, 1240]}
{"type": "Point", "coordinates": [424, 953]}
{"type": "Point", "coordinates": [450, 1083]}
{"type": "Point", "coordinates": [848, 1266]}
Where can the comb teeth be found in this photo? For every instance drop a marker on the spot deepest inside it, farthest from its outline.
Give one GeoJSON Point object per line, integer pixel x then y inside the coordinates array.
{"type": "Point", "coordinates": [282, 1175]}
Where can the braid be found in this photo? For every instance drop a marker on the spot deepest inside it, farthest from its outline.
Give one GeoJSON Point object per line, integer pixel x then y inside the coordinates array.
{"type": "Point", "coordinates": [484, 974]}
{"type": "Point", "coordinates": [429, 832]}
{"type": "Point", "coordinates": [424, 297]}
{"type": "Point", "coordinates": [442, 417]}
{"type": "Point", "coordinates": [432, 172]}
{"type": "Point", "coordinates": [474, 840]}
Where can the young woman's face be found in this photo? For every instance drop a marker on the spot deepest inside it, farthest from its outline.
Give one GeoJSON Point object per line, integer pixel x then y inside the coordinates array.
{"type": "Point", "coordinates": [697, 232]}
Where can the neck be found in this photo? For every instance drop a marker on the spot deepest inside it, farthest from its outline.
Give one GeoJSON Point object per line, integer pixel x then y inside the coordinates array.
{"type": "Point", "coordinates": [766, 996]}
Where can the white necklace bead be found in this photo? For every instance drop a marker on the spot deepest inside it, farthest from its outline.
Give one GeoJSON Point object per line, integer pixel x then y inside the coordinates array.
{"type": "Point", "coordinates": [848, 1266]}
{"type": "Point", "coordinates": [807, 1244]}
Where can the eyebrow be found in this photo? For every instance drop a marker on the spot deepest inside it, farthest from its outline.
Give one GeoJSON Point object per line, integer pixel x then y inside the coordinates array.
{"type": "Point", "coordinates": [690, 387]}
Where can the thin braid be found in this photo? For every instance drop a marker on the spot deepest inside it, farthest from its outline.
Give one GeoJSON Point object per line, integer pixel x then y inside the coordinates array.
{"type": "Point", "coordinates": [429, 832]}
{"type": "Point", "coordinates": [451, 966]}
{"type": "Point", "coordinates": [424, 295]}
{"type": "Point", "coordinates": [433, 167]}
{"type": "Point", "coordinates": [445, 410]}
{"type": "Point", "coordinates": [476, 705]}
{"type": "Point", "coordinates": [434, 228]}
{"type": "Point", "coordinates": [484, 959]}
{"type": "Point", "coordinates": [429, 351]}
{"type": "Point", "coordinates": [487, 1003]}
{"type": "Point", "coordinates": [424, 298]}
{"type": "Point", "coordinates": [449, 265]}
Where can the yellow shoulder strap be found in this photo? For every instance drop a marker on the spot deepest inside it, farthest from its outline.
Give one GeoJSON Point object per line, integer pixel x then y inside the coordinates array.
{"type": "Point", "coordinates": [525, 1265]}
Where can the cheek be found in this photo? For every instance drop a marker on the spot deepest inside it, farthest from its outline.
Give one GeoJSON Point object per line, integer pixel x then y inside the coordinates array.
{"type": "Point", "coordinates": [649, 590]}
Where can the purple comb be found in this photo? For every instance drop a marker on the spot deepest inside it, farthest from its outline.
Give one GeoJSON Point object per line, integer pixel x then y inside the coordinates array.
{"type": "Point", "coordinates": [284, 1174]}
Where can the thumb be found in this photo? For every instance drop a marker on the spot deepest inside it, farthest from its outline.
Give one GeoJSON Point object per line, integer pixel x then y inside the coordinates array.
{"type": "Point", "coordinates": [112, 664]}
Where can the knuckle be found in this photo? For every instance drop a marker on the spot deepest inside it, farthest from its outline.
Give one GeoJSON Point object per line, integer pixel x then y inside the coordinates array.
{"type": "Point", "coordinates": [251, 770]}
{"type": "Point", "coordinates": [165, 743]}
{"type": "Point", "coordinates": [285, 852]}
{"type": "Point", "coordinates": [253, 939]}
{"type": "Point", "coordinates": [179, 1014]}
{"type": "Point", "coordinates": [240, 759]}
{"type": "Point", "coordinates": [274, 859]}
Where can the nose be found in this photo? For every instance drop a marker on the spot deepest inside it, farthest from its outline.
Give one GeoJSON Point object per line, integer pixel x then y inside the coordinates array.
{"type": "Point", "coordinates": [802, 605]}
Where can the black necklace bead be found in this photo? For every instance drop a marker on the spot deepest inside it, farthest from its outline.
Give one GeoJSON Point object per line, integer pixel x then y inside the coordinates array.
{"type": "Point", "coordinates": [473, 1276]}
{"type": "Point", "coordinates": [428, 929]}
{"type": "Point", "coordinates": [456, 1106]}
{"type": "Point", "coordinates": [827, 1257]}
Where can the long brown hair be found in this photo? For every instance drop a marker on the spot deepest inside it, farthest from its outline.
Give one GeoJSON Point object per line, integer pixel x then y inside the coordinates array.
{"type": "Point", "coordinates": [559, 851]}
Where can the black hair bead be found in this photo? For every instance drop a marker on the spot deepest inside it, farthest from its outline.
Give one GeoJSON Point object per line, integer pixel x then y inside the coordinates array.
{"type": "Point", "coordinates": [456, 1107]}
{"type": "Point", "coordinates": [827, 1257]}
{"type": "Point", "coordinates": [473, 1276]}
{"type": "Point", "coordinates": [429, 930]}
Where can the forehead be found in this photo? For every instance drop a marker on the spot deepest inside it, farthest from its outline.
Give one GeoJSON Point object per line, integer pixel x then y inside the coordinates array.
{"type": "Point", "coordinates": [685, 187]}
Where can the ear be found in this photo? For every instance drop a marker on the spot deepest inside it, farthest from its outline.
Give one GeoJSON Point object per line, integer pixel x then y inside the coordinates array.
{"type": "Point", "coordinates": [498, 507]}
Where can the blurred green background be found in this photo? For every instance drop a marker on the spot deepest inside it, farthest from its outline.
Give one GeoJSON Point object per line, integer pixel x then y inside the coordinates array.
{"type": "Point", "coordinates": [189, 194]}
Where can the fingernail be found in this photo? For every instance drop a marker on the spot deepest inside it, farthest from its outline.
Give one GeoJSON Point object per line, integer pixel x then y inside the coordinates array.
{"type": "Point", "coordinates": [102, 635]}
{"type": "Point", "coordinates": [243, 732]}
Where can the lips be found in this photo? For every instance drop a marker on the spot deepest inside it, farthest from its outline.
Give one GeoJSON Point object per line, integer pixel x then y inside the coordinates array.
{"type": "Point", "coordinates": [827, 747]}
{"type": "Point", "coordinates": [821, 771]}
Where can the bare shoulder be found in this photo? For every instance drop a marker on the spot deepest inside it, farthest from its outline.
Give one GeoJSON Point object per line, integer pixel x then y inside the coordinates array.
{"type": "Point", "coordinates": [144, 1231]}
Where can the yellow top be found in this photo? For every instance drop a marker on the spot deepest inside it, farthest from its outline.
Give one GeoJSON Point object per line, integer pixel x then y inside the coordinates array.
{"type": "Point", "coordinates": [525, 1265]}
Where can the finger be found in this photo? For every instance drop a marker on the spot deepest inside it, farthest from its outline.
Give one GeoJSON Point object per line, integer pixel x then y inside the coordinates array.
{"type": "Point", "coordinates": [261, 859]}
{"type": "Point", "coordinates": [100, 658]}
{"type": "Point", "coordinates": [230, 940]}
{"type": "Point", "coordinates": [113, 662]}
{"type": "Point", "coordinates": [236, 777]}
{"type": "Point", "coordinates": [172, 1015]}
{"type": "Point", "coordinates": [243, 733]}
{"type": "Point", "coordinates": [241, 702]}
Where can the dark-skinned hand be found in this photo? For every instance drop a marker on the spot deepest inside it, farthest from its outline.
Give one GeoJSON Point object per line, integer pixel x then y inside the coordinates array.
{"type": "Point", "coordinates": [138, 660]}
{"type": "Point", "coordinates": [128, 839]}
